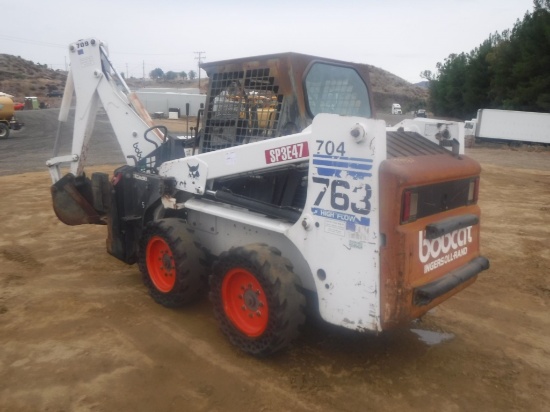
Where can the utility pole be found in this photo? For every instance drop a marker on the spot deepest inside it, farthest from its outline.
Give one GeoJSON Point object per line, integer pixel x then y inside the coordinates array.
{"type": "Point", "coordinates": [199, 58]}
{"type": "Point", "coordinates": [127, 75]}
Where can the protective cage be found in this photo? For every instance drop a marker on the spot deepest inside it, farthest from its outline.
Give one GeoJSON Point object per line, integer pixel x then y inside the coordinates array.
{"type": "Point", "coordinates": [265, 96]}
{"type": "Point", "coordinates": [243, 106]}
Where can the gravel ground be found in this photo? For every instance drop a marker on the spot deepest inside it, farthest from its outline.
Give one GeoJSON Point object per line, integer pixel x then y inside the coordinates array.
{"type": "Point", "coordinates": [79, 333]}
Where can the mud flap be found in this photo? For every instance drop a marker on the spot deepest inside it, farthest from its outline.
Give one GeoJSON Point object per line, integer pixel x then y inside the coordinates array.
{"type": "Point", "coordinates": [72, 201]}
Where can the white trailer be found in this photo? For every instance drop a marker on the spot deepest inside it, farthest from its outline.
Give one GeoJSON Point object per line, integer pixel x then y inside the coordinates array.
{"type": "Point", "coordinates": [445, 133]}
{"type": "Point", "coordinates": [512, 126]}
{"type": "Point", "coordinates": [161, 100]}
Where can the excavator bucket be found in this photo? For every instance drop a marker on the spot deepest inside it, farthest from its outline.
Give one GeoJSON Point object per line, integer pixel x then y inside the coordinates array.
{"type": "Point", "coordinates": [72, 201]}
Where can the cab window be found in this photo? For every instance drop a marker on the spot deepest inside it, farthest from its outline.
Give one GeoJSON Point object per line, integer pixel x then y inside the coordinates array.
{"type": "Point", "coordinates": [336, 89]}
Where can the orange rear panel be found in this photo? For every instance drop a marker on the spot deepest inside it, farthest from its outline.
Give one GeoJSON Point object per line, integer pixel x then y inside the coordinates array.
{"type": "Point", "coordinates": [408, 258]}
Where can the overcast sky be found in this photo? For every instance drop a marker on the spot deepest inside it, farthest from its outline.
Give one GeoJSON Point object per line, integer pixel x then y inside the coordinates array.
{"type": "Point", "coordinates": [403, 37]}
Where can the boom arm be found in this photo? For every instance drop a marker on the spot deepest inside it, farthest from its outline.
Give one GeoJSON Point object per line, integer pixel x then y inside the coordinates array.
{"type": "Point", "coordinates": [96, 82]}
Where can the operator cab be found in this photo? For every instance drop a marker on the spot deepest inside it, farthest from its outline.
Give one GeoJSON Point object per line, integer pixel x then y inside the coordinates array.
{"type": "Point", "coordinates": [250, 100]}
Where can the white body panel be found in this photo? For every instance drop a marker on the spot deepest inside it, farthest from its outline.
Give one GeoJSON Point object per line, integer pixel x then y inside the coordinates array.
{"type": "Point", "coordinates": [335, 245]}
{"type": "Point", "coordinates": [342, 241]}
{"type": "Point", "coordinates": [513, 125]}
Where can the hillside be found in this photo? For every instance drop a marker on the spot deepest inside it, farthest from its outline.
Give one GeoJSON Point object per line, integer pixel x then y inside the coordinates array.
{"type": "Point", "coordinates": [20, 78]}
{"type": "Point", "coordinates": [389, 89]}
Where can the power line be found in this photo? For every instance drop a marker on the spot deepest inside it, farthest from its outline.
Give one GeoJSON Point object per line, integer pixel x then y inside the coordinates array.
{"type": "Point", "coordinates": [63, 46]}
{"type": "Point", "coordinates": [146, 54]}
{"type": "Point", "coordinates": [112, 52]}
{"type": "Point", "coordinates": [29, 41]}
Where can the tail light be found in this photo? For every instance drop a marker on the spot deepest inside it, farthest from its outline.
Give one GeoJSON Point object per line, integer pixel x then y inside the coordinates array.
{"type": "Point", "coordinates": [409, 207]}
{"type": "Point", "coordinates": [429, 200]}
{"type": "Point", "coordinates": [473, 191]}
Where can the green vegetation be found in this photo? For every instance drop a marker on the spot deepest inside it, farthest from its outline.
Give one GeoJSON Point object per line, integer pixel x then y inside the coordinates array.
{"type": "Point", "coordinates": [509, 70]}
{"type": "Point", "coordinates": [158, 74]}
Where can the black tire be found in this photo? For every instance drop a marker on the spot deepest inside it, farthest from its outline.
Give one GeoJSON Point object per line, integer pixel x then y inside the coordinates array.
{"type": "Point", "coordinates": [4, 131]}
{"type": "Point", "coordinates": [262, 269]}
{"type": "Point", "coordinates": [172, 265]}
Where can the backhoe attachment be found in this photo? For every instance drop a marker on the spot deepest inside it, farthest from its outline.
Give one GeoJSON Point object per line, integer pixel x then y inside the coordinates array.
{"type": "Point", "coordinates": [79, 200]}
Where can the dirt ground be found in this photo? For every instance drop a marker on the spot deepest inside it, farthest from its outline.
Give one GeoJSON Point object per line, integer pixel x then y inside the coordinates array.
{"type": "Point", "coordinates": [79, 333]}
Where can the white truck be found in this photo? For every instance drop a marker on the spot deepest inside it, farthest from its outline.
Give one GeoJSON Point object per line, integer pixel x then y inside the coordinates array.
{"type": "Point", "coordinates": [511, 126]}
{"type": "Point", "coordinates": [396, 108]}
{"type": "Point", "coordinates": [290, 189]}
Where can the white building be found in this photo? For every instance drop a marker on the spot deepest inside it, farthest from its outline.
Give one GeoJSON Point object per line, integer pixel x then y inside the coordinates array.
{"type": "Point", "coordinates": [158, 100]}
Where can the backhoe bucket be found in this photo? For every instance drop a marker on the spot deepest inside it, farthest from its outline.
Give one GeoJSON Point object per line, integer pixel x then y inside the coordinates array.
{"type": "Point", "coordinates": [72, 201]}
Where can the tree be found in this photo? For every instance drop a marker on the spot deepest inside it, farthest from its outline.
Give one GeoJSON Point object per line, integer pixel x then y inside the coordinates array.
{"type": "Point", "coordinates": [156, 74]}
{"type": "Point", "coordinates": [447, 92]}
{"type": "Point", "coordinates": [428, 75]}
{"type": "Point", "coordinates": [509, 70]}
{"type": "Point", "coordinates": [478, 80]}
{"type": "Point", "coordinates": [183, 75]}
{"type": "Point", "coordinates": [170, 75]}
{"type": "Point", "coordinates": [192, 75]}
{"type": "Point", "coordinates": [541, 5]}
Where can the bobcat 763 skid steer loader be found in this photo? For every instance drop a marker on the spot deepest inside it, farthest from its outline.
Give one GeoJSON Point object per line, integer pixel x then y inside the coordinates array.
{"type": "Point", "coordinates": [289, 188]}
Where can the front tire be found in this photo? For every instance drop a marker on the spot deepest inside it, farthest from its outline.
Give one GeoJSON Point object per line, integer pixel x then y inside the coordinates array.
{"type": "Point", "coordinates": [256, 300]}
{"type": "Point", "coordinates": [171, 263]}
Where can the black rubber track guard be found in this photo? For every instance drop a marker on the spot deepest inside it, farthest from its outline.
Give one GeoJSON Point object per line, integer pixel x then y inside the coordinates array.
{"type": "Point", "coordinates": [423, 295]}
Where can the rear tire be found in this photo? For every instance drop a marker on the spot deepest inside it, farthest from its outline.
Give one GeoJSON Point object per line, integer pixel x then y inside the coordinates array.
{"type": "Point", "coordinates": [170, 263]}
{"type": "Point", "coordinates": [4, 131]}
{"type": "Point", "coordinates": [256, 300]}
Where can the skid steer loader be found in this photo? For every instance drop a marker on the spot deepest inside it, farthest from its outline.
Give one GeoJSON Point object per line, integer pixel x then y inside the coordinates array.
{"type": "Point", "coordinates": [290, 187]}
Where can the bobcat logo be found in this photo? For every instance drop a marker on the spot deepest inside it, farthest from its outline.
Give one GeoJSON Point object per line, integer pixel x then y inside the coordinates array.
{"type": "Point", "coordinates": [194, 171]}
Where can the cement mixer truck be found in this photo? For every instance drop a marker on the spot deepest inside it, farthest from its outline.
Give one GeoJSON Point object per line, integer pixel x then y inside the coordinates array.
{"type": "Point", "coordinates": [7, 118]}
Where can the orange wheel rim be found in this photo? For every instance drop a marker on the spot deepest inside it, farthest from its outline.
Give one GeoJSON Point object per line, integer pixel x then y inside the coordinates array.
{"type": "Point", "coordinates": [244, 302]}
{"type": "Point", "coordinates": [160, 264]}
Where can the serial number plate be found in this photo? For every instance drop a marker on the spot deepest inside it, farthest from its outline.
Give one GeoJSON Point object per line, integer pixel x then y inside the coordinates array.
{"type": "Point", "coordinates": [284, 153]}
